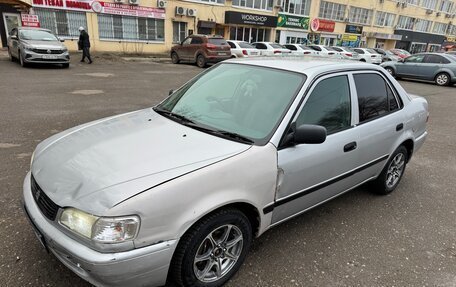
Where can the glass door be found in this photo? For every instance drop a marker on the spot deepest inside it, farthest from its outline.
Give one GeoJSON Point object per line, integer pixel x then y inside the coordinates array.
{"type": "Point", "coordinates": [11, 21]}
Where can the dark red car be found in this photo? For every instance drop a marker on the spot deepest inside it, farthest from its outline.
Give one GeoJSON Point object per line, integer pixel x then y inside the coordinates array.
{"type": "Point", "coordinates": [201, 49]}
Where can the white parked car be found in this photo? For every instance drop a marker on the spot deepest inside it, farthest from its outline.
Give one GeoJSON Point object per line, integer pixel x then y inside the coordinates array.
{"type": "Point", "coordinates": [177, 192]}
{"type": "Point", "coordinates": [241, 49]}
{"type": "Point", "coordinates": [270, 49]}
{"type": "Point", "coordinates": [326, 51]}
{"type": "Point", "coordinates": [368, 55]}
{"type": "Point", "coordinates": [299, 49]}
{"type": "Point", "coordinates": [347, 52]}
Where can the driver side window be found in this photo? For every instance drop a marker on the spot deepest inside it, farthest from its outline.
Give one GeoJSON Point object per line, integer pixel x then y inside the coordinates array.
{"type": "Point", "coordinates": [187, 41]}
{"type": "Point", "coordinates": [414, 59]}
{"type": "Point", "coordinates": [328, 105]}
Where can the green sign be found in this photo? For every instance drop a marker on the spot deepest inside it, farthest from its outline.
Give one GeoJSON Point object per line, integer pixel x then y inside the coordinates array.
{"type": "Point", "coordinates": [288, 21]}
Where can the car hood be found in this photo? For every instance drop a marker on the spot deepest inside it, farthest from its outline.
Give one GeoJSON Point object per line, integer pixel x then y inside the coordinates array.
{"type": "Point", "coordinates": [44, 44]}
{"type": "Point", "coordinates": [97, 165]}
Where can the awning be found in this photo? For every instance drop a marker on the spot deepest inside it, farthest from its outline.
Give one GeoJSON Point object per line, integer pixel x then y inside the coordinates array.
{"type": "Point", "coordinates": [18, 3]}
{"type": "Point", "coordinates": [206, 24]}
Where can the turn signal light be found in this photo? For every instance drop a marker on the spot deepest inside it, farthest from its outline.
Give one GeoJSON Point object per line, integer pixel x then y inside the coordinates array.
{"type": "Point", "coordinates": [348, 55]}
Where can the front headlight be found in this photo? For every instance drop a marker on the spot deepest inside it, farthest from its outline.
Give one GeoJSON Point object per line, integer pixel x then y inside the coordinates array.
{"type": "Point", "coordinates": [100, 229]}
{"type": "Point", "coordinates": [28, 48]}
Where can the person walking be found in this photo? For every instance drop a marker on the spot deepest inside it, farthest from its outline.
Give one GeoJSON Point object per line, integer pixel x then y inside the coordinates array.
{"type": "Point", "coordinates": [84, 44]}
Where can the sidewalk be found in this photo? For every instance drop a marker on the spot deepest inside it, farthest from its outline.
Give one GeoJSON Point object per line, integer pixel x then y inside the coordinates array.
{"type": "Point", "coordinates": [108, 57]}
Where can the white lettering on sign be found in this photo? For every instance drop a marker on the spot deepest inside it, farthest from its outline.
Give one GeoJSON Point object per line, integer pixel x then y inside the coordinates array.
{"type": "Point", "coordinates": [249, 17]}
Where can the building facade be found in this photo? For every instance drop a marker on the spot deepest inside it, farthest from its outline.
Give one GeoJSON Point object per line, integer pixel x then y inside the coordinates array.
{"type": "Point", "coordinates": [154, 26]}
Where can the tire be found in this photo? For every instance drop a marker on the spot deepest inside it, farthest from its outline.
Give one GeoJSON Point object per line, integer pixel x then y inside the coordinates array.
{"type": "Point", "coordinates": [66, 66]}
{"type": "Point", "coordinates": [209, 239]}
{"type": "Point", "coordinates": [392, 173]}
{"type": "Point", "coordinates": [201, 61]}
{"type": "Point", "coordinates": [442, 79]}
{"type": "Point", "coordinates": [390, 71]}
{"type": "Point", "coordinates": [175, 58]}
{"type": "Point", "coordinates": [21, 60]}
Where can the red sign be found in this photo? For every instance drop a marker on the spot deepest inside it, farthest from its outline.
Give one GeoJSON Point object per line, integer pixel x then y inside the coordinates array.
{"type": "Point", "coordinates": [30, 20]}
{"type": "Point", "coordinates": [322, 25]}
{"type": "Point", "coordinates": [78, 5]}
{"type": "Point", "coordinates": [127, 10]}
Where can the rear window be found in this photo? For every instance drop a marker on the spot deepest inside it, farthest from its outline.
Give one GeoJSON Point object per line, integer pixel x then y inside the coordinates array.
{"type": "Point", "coordinates": [277, 46]}
{"type": "Point", "coordinates": [305, 48]}
{"type": "Point", "coordinates": [316, 48]}
{"type": "Point", "coordinates": [217, 41]}
{"type": "Point", "coordinates": [337, 49]}
{"type": "Point", "coordinates": [245, 45]}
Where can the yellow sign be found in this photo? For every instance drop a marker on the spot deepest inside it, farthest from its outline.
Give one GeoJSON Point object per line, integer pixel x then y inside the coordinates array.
{"type": "Point", "coordinates": [349, 38]}
{"type": "Point", "coordinates": [451, 39]}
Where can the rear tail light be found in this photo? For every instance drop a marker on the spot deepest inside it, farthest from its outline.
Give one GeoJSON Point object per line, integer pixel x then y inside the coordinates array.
{"type": "Point", "coordinates": [306, 53]}
{"type": "Point", "coordinates": [277, 52]}
{"type": "Point", "coordinates": [211, 46]}
{"type": "Point", "coordinates": [244, 52]}
{"type": "Point", "coordinates": [348, 55]}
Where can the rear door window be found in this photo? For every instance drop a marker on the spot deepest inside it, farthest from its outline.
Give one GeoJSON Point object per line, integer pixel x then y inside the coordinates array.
{"type": "Point", "coordinates": [435, 59]}
{"type": "Point", "coordinates": [359, 51]}
{"type": "Point", "coordinates": [374, 99]}
{"type": "Point", "coordinates": [197, 40]}
{"type": "Point", "coordinates": [414, 59]}
{"type": "Point", "coordinates": [291, 47]}
{"type": "Point", "coordinates": [232, 45]}
{"type": "Point", "coordinates": [260, 46]}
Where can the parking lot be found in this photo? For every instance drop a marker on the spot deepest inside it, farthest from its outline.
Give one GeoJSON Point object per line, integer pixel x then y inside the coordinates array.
{"type": "Point", "coordinates": [359, 239]}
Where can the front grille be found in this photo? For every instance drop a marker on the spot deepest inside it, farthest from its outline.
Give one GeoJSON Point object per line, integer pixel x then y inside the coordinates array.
{"type": "Point", "coordinates": [45, 204]}
{"type": "Point", "coordinates": [46, 51]}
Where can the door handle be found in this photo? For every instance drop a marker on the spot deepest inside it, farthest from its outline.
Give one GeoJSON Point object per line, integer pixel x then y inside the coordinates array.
{"type": "Point", "coordinates": [399, 127]}
{"type": "Point", "coordinates": [350, 146]}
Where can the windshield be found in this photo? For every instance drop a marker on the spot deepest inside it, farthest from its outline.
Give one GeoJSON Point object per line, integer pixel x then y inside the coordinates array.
{"type": "Point", "coordinates": [245, 45]}
{"type": "Point", "coordinates": [241, 99]}
{"type": "Point", "coordinates": [36, 35]}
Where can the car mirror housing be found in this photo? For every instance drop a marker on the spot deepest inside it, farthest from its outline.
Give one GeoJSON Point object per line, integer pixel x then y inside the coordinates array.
{"type": "Point", "coordinates": [14, 37]}
{"type": "Point", "coordinates": [306, 134]}
{"type": "Point", "coordinates": [61, 40]}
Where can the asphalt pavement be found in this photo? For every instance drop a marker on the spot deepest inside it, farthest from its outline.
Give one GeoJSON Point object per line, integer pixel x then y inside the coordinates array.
{"type": "Point", "coordinates": [359, 239]}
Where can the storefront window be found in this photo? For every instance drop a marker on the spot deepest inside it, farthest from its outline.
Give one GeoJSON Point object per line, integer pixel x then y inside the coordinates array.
{"type": "Point", "coordinates": [179, 31]}
{"type": "Point", "coordinates": [434, 47]}
{"type": "Point", "coordinates": [418, 48]}
{"type": "Point", "coordinates": [384, 19]}
{"type": "Point", "coordinates": [249, 34]}
{"type": "Point", "coordinates": [296, 40]}
{"type": "Point", "coordinates": [332, 11]}
{"type": "Point", "coordinates": [360, 15]}
{"type": "Point", "coordinates": [62, 23]}
{"type": "Point", "coordinates": [300, 7]}
{"type": "Point", "coordinates": [130, 28]}
{"type": "Point", "coordinates": [255, 4]}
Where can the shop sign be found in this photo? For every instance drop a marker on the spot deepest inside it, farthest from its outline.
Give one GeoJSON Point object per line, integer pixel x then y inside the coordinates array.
{"type": "Point", "coordinates": [350, 38]}
{"type": "Point", "coordinates": [29, 20]}
{"type": "Point", "coordinates": [353, 29]}
{"type": "Point", "coordinates": [322, 25]}
{"type": "Point", "coordinates": [289, 21]}
{"type": "Point", "coordinates": [385, 36]}
{"type": "Point", "coordinates": [77, 5]}
{"type": "Point", "coordinates": [232, 17]}
{"type": "Point", "coordinates": [127, 10]}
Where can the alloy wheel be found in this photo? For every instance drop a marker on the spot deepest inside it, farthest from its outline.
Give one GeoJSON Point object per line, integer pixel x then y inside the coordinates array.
{"type": "Point", "coordinates": [442, 79]}
{"type": "Point", "coordinates": [218, 253]}
{"type": "Point", "coordinates": [395, 170]}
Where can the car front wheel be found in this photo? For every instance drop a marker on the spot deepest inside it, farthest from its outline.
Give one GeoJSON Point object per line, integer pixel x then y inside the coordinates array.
{"type": "Point", "coordinates": [212, 250]}
{"type": "Point", "coordinates": [175, 58]}
{"type": "Point", "coordinates": [390, 71]}
{"type": "Point", "coordinates": [442, 79]}
{"type": "Point", "coordinates": [21, 60]}
{"type": "Point", "coordinates": [392, 173]}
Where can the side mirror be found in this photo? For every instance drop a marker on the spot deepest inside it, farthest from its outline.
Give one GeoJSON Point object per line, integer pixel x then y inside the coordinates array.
{"type": "Point", "coordinates": [170, 92]}
{"type": "Point", "coordinates": [62, 40]}
{"type": "Point", "coordinates": [401, 60]}
{"type": "Point", "coordinates": [309, 134]}
{"type": "Point", "coordinates": [14, 37]}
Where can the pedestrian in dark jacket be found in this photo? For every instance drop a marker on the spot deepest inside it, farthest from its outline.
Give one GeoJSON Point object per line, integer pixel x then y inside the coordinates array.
{"type": "Point", "coordinates": [84, 44]}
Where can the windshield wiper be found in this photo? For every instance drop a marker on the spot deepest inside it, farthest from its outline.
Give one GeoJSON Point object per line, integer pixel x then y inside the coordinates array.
{"type": "Point", "coordinates": [234, 136]}
{"type": "Point", "coordinates": [181, 118]}
{"type": "Point", "coordinates": [188, 122]}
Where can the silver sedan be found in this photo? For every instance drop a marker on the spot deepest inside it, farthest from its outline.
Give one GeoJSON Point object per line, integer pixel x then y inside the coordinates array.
{"type": "Point", "coordinates": [35, 45]}
{"type": "Point", "coordinates": [437, 67]}
{"type": "Point", "coordinates": [178, 191]}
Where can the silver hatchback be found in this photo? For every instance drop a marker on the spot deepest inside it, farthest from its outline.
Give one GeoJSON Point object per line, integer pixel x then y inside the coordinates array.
{"type": "Point", "coordinates": [178, 191]}
{"type": "Point", "coordinates": [35, 45]}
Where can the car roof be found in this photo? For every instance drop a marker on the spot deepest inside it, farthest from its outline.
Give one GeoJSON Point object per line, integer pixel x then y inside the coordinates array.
{"type": "Point", "coordinates": [306, 65]}
{"type": "Point", "coordinates": [206, 36]}
{"type": "Point", "coordinates": [32, 28]}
